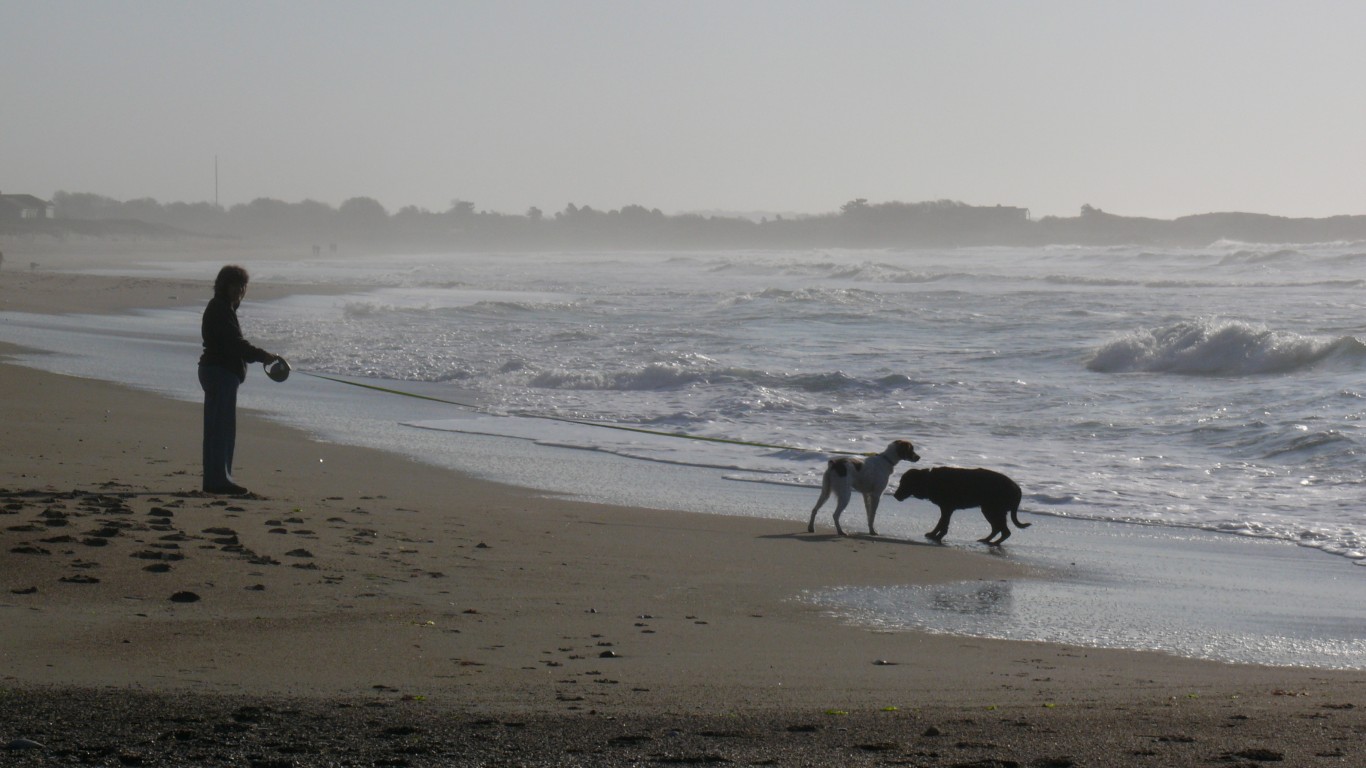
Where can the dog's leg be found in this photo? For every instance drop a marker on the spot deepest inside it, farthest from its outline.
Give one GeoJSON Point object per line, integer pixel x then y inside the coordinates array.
{"type": "Point", "coordinates": [825, 494]}
{"type": "Point", "coordinates": [997, 519]}
{"type": "Point", "coordinates": [870, 501]}
{"type": "Point", "coordinates": [842, 498]}
{"type": "Point", "coordinates": [942, 528]}
{"type": "Point", "coordinates": [1002, 529]}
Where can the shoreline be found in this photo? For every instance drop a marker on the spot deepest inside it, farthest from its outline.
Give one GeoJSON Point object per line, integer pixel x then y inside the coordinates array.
{"type": "Point", "coordinates": [433, 594]}
{"type": "Point", "coordinates": [558, 633]}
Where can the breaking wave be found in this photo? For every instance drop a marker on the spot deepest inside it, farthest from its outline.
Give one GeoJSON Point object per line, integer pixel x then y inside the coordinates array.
{"type": "Point", "coordinates": [1245, 257]}
{"type": "Point", "coordinates": [671, 375]}
{"type": "Point", "coordinates": [1210, 347]}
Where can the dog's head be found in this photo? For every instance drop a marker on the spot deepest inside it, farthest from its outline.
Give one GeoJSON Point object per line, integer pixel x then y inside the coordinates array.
{"type": "Point", "coordinates": [904, 450]}
{"type": "Point", "coordinates": [913, 483]}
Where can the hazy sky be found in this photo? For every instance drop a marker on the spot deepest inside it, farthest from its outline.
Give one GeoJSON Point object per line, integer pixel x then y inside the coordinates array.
{"type": "Point", "coordinates": [1149, 108]}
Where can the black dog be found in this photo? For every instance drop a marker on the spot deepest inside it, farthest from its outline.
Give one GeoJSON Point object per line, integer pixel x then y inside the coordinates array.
{"type": "Point", "coordinates": [952, 488]}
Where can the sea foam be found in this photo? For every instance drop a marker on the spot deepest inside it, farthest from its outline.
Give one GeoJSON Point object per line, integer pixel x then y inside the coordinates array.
{"type": "Point", "coordinates": [1215, 347]}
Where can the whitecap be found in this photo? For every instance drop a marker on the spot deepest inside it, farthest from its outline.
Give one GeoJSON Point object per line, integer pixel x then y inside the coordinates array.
{"type": "Point", "coordinates": [1216, 347]}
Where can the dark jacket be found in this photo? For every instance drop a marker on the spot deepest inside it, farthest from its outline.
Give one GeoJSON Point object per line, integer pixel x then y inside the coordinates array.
{"type": "Point", "coordinates": [223, 342]}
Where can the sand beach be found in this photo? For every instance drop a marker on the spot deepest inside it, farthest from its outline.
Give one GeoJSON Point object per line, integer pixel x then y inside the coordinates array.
{"type": "Point", "coordinates": [360, 608]}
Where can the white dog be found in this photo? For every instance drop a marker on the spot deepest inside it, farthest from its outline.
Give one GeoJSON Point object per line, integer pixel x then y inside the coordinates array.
{"type": "Point", "coordinates": [867, 476]}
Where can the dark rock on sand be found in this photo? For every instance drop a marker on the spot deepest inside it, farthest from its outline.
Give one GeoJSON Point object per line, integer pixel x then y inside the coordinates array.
{"type": "Point", "coordinates": [1260, 755]}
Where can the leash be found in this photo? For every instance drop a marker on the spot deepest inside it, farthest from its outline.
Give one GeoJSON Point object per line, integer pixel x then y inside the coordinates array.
{"type": "Point", "coordinates": [581, 422]}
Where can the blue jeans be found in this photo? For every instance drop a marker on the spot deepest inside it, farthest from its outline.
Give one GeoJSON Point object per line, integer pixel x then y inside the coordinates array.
{"type": "Point", "coordinates": [220, 424]}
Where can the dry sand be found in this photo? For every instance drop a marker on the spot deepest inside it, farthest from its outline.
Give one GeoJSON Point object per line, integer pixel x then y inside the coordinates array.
{"type": "Point", "coordinates": [373, 610]}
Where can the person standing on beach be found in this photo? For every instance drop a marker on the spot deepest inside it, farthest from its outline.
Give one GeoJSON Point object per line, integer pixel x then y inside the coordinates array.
{"type": "Point", "coordinates": [222, 368]}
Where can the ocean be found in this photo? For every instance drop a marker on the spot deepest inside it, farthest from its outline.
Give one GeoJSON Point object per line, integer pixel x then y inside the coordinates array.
{"type": "Point", "coordinates": [1210, 392]}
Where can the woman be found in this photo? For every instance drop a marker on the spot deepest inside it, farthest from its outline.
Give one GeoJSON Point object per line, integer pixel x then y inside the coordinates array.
{"type": "Point", "coordinates": [223, 367]}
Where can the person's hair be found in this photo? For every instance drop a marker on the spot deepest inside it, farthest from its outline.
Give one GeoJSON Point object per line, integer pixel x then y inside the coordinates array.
{"type": "Point", "coordinates": [229, 278]}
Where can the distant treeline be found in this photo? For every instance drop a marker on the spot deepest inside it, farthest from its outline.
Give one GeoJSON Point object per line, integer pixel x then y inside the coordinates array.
{"type": "Point", "coordinates": [858, 224]}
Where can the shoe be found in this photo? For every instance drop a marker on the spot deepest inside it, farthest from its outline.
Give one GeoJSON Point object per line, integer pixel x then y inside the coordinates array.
{"type": "Point", "coordinates": [231, 489]}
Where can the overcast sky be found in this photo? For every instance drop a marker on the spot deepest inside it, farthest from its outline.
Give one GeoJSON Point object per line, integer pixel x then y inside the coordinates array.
{"type": "Point", "coordinates": [1146, 108]}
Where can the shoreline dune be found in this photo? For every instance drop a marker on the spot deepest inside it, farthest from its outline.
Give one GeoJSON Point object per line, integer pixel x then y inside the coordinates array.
{"type": "Point", "coordinates": [364, 608]}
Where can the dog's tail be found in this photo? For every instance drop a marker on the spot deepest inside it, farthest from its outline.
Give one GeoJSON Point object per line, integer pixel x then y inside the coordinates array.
{"type": "Point", "coordinates": [1015, 517]}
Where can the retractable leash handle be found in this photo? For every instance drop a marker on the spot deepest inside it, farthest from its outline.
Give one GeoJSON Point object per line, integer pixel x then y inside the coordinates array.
{"type": "Point", "coordinates": [278, 370]}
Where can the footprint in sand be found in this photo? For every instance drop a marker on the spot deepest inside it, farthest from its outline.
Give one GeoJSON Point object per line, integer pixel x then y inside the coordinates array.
{"type": "Point", "coordinates": [150, 555]}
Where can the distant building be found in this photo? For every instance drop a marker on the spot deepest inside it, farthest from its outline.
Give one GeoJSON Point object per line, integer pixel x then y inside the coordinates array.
{"type": "Point", "coordinates": [1011, 212]}
{"type": "Point", "coordinates": [23, 207]}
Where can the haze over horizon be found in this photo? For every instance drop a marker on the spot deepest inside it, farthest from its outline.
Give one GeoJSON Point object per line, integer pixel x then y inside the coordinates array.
{"type": "Point", "coordinates": [1158, 109]}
